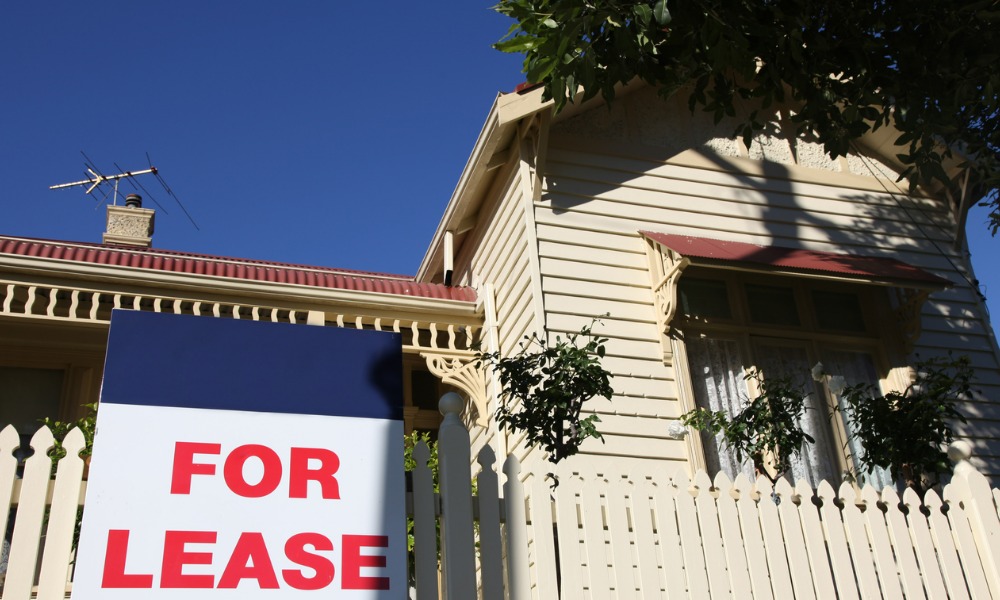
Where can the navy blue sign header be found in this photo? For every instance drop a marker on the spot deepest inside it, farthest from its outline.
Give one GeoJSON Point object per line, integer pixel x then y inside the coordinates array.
{"type": "Point", "coordinates": [157, 359]}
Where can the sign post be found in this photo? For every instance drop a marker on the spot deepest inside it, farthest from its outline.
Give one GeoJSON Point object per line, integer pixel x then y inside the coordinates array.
{"type": "Point", "coordinates": [239, 459]}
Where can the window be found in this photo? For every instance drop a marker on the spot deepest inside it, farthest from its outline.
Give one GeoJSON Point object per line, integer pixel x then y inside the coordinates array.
{"type": "Point", "coordinates": [731, 323]}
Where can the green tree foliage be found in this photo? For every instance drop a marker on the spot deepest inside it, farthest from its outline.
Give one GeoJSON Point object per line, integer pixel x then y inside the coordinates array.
{"type": "Point", "coordinates": [930, 68]}
{"type": "Point", "coordinates": [909, 432]}
{"type": "Point", "coordinates": [544, 388]}
{"type": "Point", "coordinates": [767, 430]}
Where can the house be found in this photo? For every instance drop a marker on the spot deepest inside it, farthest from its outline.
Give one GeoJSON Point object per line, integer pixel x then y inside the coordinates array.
{"type": "Point", "coordinates": [701, 257]}
{"type": "Point", "coordinates": [709, 258]}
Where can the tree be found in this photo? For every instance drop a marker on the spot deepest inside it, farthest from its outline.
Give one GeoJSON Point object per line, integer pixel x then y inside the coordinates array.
{"type": "Point", "coordinates": [767, 429]}
{"type": "Point", "coordinates": [909, 432]}
{"type": "Point", "coordinates": [929, 68]}
{"type": "Point", "coordinates": [544, 387]}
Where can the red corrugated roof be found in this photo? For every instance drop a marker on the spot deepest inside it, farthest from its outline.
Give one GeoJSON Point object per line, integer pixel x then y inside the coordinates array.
{"type": "Point", "coordinates": [849, 265]}
{"type": "Point", "coordinates": [232, 268]}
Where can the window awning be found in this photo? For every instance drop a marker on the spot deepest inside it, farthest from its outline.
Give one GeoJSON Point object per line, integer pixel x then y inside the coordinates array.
{"type": "Point", "coordinates": [795, 261]}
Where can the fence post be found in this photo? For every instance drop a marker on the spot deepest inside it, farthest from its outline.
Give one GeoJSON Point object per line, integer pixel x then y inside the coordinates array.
{"type": "Point", "coordinates": [458, 554]}
{"type": "Point", "coordinates": [980, 510]}
{"type": "Point", "coordinates": [517, 531]}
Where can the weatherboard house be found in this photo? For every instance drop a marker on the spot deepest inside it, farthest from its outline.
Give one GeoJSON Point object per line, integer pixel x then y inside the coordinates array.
{"type": "Point", "coordinates": [702, 257]}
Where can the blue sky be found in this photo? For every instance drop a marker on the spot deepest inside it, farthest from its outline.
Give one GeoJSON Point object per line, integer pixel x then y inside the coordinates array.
{"type": "Point", "coordinates": [314, 132]}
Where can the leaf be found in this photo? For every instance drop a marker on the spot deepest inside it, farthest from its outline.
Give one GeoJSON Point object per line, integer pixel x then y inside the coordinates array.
{"type": "Point", "coordinates": [661, 13]}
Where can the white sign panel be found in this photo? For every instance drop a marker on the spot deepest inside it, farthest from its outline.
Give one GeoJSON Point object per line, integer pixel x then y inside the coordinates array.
{"type": "Point", "coordinates": [228, 503]}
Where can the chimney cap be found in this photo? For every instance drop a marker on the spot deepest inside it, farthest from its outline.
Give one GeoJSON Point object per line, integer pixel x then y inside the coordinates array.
{"type": "Point", "coordinates": [133, 201]}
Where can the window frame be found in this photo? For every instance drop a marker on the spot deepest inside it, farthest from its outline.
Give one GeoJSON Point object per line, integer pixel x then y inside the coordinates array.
{"type": "Point", "coordinates": [881, 340]}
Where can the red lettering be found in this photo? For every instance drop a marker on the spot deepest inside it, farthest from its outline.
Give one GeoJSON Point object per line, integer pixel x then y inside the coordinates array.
{"type": "Point", "coordinates": [300, 474]}
{"type": "Point", "coordinates": [250, 548]}
{"type": "Point", "coordinates": [233, 471]}
{"type": "Point", "coordinates": [353, 561]}
{"type": "Point", "coordinates": [185, 467]}
{"type": "Point", "coordinates": [114, 564]}
{"type": "Point", "coordinates": [176, 556]}
{"type": "Point", "coordinates": [296, 552]}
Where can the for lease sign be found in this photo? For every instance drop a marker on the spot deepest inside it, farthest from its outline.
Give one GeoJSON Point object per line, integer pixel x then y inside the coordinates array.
{"type": "Point", "coordinates": [238, 459]}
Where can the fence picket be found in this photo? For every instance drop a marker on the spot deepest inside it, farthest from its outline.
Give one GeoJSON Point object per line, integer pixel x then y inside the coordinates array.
{"type": "Point", "coordinates": [425, 542]}
{"type": "Point", "coordinates": [711, 536]}
{"type": "Point", "coordinates": [885, 564]}
{"type": "Point", "coordinates": [668, 533]}
{"type": "Point", "coordinates": [9, 441]}
{"type": "Point", "coordinates": [929, 569]}
{"type": "Point", "coordinates": [28, 521]}
{"type": "Point", "coordinates": [902, 545]}
{"type": "Point", "coordinates": [795, 548]}
{"type": "Point", "coordinates": [623, 569]}
{"type": "Point", "coordinates": [753, 540]}
{"type": "Point", "coordinates": [972, 567]}
{"type": "Point", "coordinates": [62, 520]}
{"type": "Point", "coordinates": [519, 580]}
{"type": "Point", "coordinates": [812, 533]}
{"type": "Point", "coordinates": [592, 522]}
{"type": "Point", "coordinates": [545, 561]}
{"type": "Point", "coordinates": [490, 552]}
{"type": "Point", "coordinates": [944, 542]}
{"type": "Point", "coordinates": [645, 543]}
{"type": "Point", "coordinates": [835, 530]}
{"type": "Point", "coordinates": [732, 540]}
{"type": "Point", "coordinates": [568, 530]}
{"type": "Point", "coordinates": [774, 543]}
{"type": "Point", "coordinates": [687, 522]}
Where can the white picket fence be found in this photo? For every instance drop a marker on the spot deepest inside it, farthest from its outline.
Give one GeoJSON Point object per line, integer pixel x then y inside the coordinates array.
{"type": "Point", "coordinates": [600, 536]}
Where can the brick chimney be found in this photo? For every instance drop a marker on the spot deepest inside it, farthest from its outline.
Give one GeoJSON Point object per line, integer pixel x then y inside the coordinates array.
{"type": "Point", "coordinates": [130, 225]}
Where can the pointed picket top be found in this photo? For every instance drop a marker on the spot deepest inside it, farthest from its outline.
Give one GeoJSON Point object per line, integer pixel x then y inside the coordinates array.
{"type": "Point", "coordinates": [891, 498]}
{"type": "Point", "coordinates": [911, 500]}
{"type": "Point", "coordinates": [723, 485]}
{"type": "Point", "coordinates": [847, 494]}
{"type": "Point", "coordinates": [764, 487]}
{"type": "Point", "coordinates": [784, 490]}
{"type": "Point", "coordinates": [487, 458]}
{"type": "Point", "coordinates": [42, 441]}
{"type": "Point", "coordinates": [743, 487]}
{"type": "Point", "coordinates": [74, 442]}
{"type": "Point", "coordinates": [702, 483]}
{"type": "Point", "coordinates": [869, 496]}
{"type": "Point", "coordinates": [932, 501]}
{"type": "Point", "coordinates": [512, 468]}
{"type": "Point", "coordinates": [804, 491]}
{"type": "Point", "coordinates": [9, 440]}
{"type": "Point", "coordinates": [826, 492]}
{"type": "Point", "coordinates": [421, 453]}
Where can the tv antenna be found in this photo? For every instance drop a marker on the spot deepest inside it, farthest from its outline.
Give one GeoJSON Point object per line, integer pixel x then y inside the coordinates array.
{"type": "Point", "coordinates": [97, 181]}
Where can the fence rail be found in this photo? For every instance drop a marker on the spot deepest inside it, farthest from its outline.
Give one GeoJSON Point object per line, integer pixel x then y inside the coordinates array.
{"type": "Point", "coordinates": [601, 535]}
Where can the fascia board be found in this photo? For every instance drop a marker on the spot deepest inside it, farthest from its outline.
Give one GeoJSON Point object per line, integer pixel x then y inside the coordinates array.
{"type": "Point", "coordinates": [170, 282]}
{"type": "Point", "coordinates": [507, 111]}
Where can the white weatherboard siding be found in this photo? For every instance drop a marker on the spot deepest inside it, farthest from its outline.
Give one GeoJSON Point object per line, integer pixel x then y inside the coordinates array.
{"type": "Point", "coordinates": [500, 255]}
{"type": "Point", "coordinates": [598, 193]}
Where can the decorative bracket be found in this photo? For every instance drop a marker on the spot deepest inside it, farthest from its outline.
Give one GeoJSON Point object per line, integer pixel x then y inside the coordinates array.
{"type": "Point", "coordinates": [666, 267]}
{"type": "Point", "coordinates": [909, 304]}
{"type": "Point", "coordinates": [462, 372]}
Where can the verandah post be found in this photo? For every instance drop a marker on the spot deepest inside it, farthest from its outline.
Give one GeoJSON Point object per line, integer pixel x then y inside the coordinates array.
{"type": "Point", "coordinates": [458, 543]}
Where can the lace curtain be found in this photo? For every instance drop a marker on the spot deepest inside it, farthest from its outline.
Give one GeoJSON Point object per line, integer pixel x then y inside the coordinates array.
{"type": "Point", "coordinates": [717, 377]}
{"type": "Point", "coordinates": [717, 372]}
